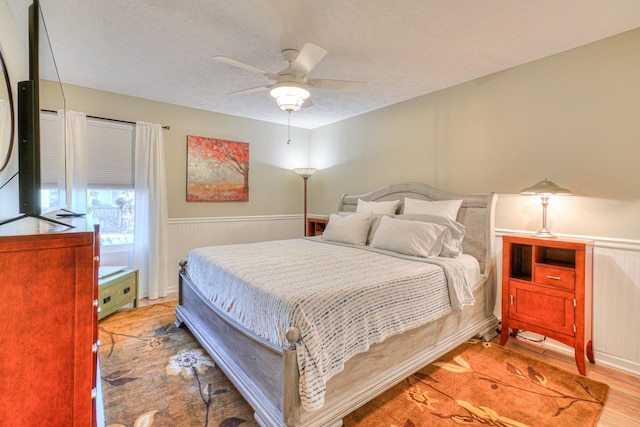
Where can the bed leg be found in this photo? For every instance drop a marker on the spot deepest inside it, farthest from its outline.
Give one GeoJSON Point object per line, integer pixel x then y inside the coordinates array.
{"type": "Point", "coordinates": [291, 403]}
{"type": "Point", "coordinates": [183, 270]}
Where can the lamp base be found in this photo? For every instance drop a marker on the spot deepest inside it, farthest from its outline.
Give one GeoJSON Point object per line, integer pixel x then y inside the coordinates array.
{"type": "Point", "coordinates": [545, 234]}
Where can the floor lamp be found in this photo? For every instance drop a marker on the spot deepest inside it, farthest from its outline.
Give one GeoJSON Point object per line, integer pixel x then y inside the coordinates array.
{"type": "Point", "coordinates": [305, 173]}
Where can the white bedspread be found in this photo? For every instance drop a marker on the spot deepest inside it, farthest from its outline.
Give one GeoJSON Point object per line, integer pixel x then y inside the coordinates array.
{"type": "Point", "coordinates": [342, 299]}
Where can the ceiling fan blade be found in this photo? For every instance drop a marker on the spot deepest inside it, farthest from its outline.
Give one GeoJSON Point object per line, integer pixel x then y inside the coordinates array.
{"type": "Point", "coordinates": [251, 90]}
{"type": "Point", "coordinates": [309, 57]}
{"type": "Point", "coordinates": [307, 103]}
{"type": "Point", "coordinates": [343, 85]}
{"type": "Point", "coordinates": [244, 66]}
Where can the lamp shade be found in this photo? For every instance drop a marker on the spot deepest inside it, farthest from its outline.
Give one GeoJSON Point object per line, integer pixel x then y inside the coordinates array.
{"type": "Point", "coordinates": [289, 95]}
{"type": "Point", "coordinates": [305, 172]}
{"type": "Point", "coordinates": [546, 187]}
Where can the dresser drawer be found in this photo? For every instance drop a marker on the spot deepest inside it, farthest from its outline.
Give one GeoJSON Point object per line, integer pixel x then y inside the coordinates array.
{"type": "Point", "coordinates": [559, 277]}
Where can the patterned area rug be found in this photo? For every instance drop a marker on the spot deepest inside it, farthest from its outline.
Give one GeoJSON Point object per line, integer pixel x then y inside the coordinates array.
{"type": "Point", "coordinates": [484, 384]}
{"type": "Point", "coordinates": [154, 374]}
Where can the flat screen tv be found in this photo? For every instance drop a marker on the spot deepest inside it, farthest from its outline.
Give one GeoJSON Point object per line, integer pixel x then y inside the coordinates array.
{"type": "Point", "coordinates": [29, 124]}
{"type": "Point", "coordinates": [29, 153]}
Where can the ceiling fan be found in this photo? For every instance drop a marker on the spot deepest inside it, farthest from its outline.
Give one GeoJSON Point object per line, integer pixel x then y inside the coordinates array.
{"type": "Point", "coordinates": [291, 87]}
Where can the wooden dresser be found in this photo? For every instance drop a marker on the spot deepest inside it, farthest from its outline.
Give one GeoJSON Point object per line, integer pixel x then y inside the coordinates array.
{"type": "Point", "coordinates": [547, 289]}
{"type": "Point", "coordinates": [48, 332]}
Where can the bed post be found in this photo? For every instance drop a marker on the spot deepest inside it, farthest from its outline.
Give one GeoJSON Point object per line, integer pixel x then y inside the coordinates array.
{"type": "Point", "coordinates": [291, 404]}
{"type": "Point", "coordinates": [183, 270]}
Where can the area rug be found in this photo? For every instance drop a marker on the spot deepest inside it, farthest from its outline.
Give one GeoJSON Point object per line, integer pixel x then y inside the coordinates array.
{"type": "Point", "coordinates": [485, 384]}
{"type": "Point", "coordinates": [154, 374]}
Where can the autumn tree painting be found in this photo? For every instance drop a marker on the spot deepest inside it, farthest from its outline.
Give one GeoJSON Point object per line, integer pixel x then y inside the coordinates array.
{"type": "Point", "coordinates": [217, 170]}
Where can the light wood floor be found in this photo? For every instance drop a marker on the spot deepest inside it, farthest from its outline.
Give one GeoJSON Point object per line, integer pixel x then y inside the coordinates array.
{"type": "Point", "coordinates": [173, 296]}
{"type": "Point", "coordinates": [623, 404]}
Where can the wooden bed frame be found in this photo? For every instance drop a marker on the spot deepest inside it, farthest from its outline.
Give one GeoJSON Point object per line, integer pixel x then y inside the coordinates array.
{"type": "Point", "coordinates": [267, 375]}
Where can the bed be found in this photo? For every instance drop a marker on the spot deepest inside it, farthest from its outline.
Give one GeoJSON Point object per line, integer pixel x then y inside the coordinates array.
{"type": "Point", "coordinates": [268, 361]}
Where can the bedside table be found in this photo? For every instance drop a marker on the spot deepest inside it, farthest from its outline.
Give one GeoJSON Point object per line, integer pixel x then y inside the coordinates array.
{"type": "Point", "coordinates": [547, 289]}
{"type": "Point", "coordinates": [316, 225]}
{"type": "Point", "coordinates": [116, 290]}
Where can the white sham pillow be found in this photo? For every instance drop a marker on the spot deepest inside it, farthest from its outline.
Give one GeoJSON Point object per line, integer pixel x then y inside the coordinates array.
{"type": "Point", "coordinates": [352, 229]}
{"type": "Point", "coordinates": [446, 208]}
{"type": "Point", "coordinates": [422, 239]}
{"type": "Point", "coordinates": [381, 208]}
{"type": "Point", "coordinates": [454, 233]}
{"type": "Point", "coordinates": [373, 225]}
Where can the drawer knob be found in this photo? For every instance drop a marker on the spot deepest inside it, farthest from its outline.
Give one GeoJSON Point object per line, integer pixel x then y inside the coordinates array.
{"type": "Point", "coordinates": [106, 300]}
{"type": "Point", "coordinates": [553, 277]}
{"type": "Point", "coordinates": [127, 290]}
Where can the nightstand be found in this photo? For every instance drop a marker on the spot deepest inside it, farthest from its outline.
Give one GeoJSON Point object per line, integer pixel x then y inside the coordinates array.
{"type": "Point", "coordinates": [547, 289]}
{"type": "Point", "coordinates": [117, 290]}
{"type": "Point", "coordinates": [316, 225]}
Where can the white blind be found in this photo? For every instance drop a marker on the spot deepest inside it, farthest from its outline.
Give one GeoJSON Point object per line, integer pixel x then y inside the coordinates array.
{"type": "Point", "coordinates": [110, 154]}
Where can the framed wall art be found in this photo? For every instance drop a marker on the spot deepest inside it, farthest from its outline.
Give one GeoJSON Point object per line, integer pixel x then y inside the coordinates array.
{"type": "Point", "coordinates": [217, 170]}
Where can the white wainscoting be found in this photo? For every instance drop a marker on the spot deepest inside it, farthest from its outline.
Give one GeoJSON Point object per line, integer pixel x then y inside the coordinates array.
{"type": "Point", "coordinates": [616, 301]}
{"type": "Point", "coordinates": [188, 233]}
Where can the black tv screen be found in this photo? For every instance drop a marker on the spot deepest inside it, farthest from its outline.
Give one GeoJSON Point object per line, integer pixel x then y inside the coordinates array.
{"type": "Point", "coordinates": [29, 148]}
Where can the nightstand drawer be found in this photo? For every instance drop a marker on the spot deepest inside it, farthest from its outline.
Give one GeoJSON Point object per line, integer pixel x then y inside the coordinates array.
{"type": "Point", "coordinates": [563, 278]}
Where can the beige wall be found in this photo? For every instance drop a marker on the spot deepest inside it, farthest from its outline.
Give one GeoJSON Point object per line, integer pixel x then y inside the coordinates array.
{"type": "Point", "coordinates": [273, 187]}
{"type": "Point", "coordinates": [573, 117]}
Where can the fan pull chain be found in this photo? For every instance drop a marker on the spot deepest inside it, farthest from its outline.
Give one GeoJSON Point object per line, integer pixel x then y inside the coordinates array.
{"type": "Point", "coordinates": [289, 127]}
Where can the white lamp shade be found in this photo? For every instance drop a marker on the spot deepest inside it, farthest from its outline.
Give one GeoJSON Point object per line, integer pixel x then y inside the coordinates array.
{"type": "Point", "coordinates": [305, 172]}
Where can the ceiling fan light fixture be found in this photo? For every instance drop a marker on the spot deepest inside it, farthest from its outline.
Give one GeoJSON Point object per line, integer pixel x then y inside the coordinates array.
{"type": "Point", "coordinates": [289, 95]}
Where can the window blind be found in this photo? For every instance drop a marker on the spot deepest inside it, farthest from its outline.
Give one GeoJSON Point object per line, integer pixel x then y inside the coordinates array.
{"type": "Point", "coordinates": [110, 155]}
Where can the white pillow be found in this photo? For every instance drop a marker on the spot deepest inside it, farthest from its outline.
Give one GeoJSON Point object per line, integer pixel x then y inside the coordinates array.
{"type": "Point", "coordinates": [415, 238]}
{"type": "Point", "coordinates": [446, 208]}
{"type": "Point", "coordinates": [373, 225]}
{"type": "Point", "coordinates": [382, 208]}
{"type": "Point", "coordinates": [352, 229]}
{"type": "Point", "coordinates": [453, 236]}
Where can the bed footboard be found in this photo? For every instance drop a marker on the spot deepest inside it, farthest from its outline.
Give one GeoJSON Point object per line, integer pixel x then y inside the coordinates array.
{"type": "Point", "coordinates": [265, 375]}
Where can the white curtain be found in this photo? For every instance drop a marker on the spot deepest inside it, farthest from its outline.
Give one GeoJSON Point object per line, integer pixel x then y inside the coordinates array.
{"type": "Point", "coordinates": [73, 134]}
{"type": "Point", "coordinates": [150, 245]}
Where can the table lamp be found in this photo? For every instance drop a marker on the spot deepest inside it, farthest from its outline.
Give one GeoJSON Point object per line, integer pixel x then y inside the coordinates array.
{"type": "Point", "coordinates": [545, 189]}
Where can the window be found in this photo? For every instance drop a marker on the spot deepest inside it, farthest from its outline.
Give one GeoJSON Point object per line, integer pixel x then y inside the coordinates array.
{"type": "Point", "coordinates": [110, 176]}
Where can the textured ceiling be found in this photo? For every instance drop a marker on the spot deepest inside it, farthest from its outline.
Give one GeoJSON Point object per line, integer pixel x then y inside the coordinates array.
{"type": "Point", "coordinates": [163, 49]}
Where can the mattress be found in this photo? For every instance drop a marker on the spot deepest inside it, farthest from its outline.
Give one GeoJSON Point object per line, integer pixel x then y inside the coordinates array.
{"type": "Point", "coordinates": [342, 298]}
